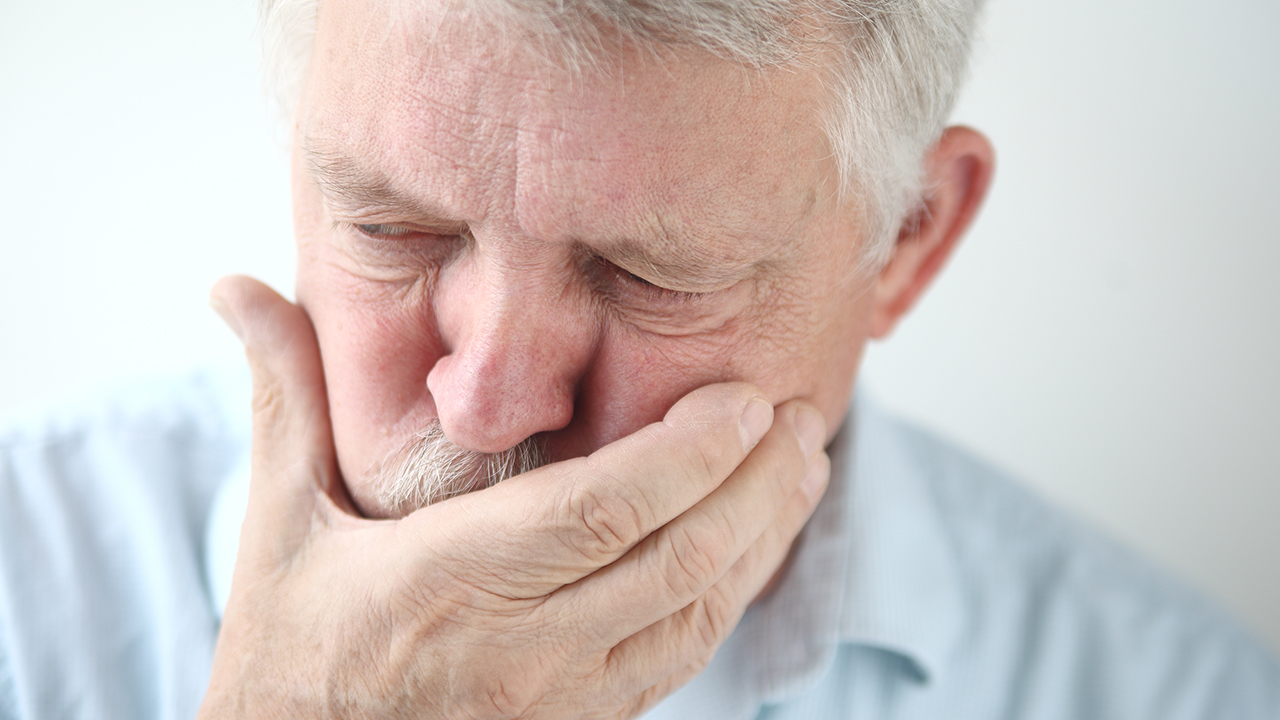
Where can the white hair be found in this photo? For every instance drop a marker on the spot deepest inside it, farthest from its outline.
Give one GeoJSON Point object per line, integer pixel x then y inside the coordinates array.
{"type": "Point", "coordinates": [430, 468]}
{"type": "Point", "coordinates": [899, 67]}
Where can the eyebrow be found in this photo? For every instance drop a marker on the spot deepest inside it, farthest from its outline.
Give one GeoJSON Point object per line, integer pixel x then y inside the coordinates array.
{"type": "Point", "coordinates": [350, 186]}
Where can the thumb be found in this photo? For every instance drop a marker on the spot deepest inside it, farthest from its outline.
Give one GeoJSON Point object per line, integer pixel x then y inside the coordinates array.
{"type": "Point", "coordinates": [293, 456]}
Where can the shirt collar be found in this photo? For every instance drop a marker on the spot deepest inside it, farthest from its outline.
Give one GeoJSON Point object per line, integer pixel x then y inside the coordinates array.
{"type": "Point", "coordinates": [903, 582]}
{"type": "Point", "coordinates": [872, 568]}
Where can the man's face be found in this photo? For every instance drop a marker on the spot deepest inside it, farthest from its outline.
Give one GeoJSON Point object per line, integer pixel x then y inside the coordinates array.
{"type": "Point", "coordinates": [517, 250]}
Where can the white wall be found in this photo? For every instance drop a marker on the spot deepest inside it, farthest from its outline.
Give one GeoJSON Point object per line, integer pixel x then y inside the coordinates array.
{"type": "Point", "coordinates": [1111, 331]}
{"type": "Point", "coordinates": [137, 165]}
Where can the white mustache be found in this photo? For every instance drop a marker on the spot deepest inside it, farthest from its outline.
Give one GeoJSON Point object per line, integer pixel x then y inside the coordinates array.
{"type": "Point", "coordinates": [430, 468]}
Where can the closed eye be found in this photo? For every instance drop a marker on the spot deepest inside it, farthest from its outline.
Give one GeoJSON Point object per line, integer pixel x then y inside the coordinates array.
{"type": "Point", "coordinates": [385, 232]}
{"type": "Point", "coordinates": [390, 235]}
{"type": "Point", "coordinates": [634, 287]}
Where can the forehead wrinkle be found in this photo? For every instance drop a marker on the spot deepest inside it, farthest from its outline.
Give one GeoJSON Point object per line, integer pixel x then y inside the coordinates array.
{"type": "Point", "coordinates": [452, 103]}
{"type": "Point", "coordinates": [467, 115]}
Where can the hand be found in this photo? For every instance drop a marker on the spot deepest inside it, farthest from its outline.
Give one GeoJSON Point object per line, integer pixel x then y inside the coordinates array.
{"type": "Point", "coordinates": [590, 588]}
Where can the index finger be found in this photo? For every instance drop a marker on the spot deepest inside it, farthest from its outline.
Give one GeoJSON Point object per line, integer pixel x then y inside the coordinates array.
{"type": "Point", "coordinates": [293, 457]}
{"type": "Point", "coordinates": [557, 524]}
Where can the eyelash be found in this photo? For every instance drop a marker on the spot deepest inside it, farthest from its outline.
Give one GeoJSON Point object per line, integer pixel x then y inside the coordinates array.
{"type": "Point", "coordinates": [399, 239]}
{"type": "Point", "coordinates": [383, 232]}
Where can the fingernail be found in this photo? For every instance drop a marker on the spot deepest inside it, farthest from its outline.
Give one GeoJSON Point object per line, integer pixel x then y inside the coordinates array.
{"type": "Point", "coordinates": [756, 419]}
{"type": "Point", "coordinates": [811, 429]}
{"type": "Point", "coordinates": [224, 312]}
{"type": "Point", "coordinates": [815, 477]}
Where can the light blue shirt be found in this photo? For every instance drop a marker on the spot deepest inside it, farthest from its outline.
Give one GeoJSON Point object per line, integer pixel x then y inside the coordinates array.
{"type": "Point", "coordinates": [927, 585]}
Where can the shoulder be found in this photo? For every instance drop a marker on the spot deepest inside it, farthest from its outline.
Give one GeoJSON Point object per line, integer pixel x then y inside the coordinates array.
{"type": "Point", "coordinates": [122, 441]}
{"type": "Point", "coordinates": [202, 402]}
{"type": "Point", "coordinates": [103, 503]}
{"type": "Point", "coordinates": [1051, 602]}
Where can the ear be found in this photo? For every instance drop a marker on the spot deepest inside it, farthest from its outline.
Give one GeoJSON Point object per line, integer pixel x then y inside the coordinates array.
{"type": "Point", "coordinates": [958, 172]}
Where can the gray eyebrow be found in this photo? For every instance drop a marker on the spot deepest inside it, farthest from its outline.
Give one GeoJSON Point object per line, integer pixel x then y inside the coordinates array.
{"type": "Point", "coordinates": [350, 185]}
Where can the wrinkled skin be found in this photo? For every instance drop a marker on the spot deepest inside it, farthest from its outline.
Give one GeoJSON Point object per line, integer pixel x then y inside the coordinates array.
{"type": "Point", "coordinates": [647, 267]}
{"type": "Point", "coordinates": [535, 225]}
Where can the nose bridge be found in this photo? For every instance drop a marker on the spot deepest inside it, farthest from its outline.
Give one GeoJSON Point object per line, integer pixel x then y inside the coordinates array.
{"type": "Point", "coordinates": [512, 325]}
{"type": "Point", "coordinates": [518, 338]}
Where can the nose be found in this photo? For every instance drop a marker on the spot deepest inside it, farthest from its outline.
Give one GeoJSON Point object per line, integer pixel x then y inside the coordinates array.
{"type": "Point", "coordinates": [517, 343]}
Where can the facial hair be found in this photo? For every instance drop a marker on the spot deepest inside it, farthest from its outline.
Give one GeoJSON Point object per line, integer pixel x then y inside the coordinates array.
{"type": "Point", "coordinates": [429, 468]}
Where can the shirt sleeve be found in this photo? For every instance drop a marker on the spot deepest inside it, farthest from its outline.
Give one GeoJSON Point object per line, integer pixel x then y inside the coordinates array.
{"type": "Point", "coordinates": [104, 610]}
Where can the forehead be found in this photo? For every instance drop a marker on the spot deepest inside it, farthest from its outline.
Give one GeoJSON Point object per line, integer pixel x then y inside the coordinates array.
{"type": "Point", "coordinates": [441, 107]}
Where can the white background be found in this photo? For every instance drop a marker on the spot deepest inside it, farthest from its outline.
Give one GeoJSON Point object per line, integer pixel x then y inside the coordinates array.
{"type": "Point", "coordinates": [1110, 331]}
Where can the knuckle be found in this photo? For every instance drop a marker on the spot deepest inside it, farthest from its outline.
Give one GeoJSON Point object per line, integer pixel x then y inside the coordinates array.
{"type": "Point", "coordinates": [713, 618]}
{"type": "Point", "coordinates": [602, 526]}
{"type": "Point", "coordinates": [268, 403]}
{"type": "Point", "coordinates": [510, 700]}
{"type": "Point", "coordinates": [695, 560]}
{"type": "Point", "coordinates": [494, 696]}
{"type": "Point", "coordinates": [696, 667]}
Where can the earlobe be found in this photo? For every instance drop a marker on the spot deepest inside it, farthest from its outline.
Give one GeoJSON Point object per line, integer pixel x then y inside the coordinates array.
{"type": "Point", "coordinates": [959, 168]}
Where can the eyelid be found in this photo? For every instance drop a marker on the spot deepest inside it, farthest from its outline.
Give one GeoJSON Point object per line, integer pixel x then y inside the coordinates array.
{"type": "Point", "coordinates": [399, 231]}
{"type": "Point", "coordinates": [382, 230]}
{"type": "Point", "coordinates": [664, 292]}
{"type": "Point", "coordinates": [636, 284]}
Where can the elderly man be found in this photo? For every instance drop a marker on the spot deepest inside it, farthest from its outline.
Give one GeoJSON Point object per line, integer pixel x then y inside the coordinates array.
{"type": "Point", "coordinates": [561, 423]}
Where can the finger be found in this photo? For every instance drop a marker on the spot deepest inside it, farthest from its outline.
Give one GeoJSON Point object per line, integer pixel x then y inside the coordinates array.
{"type": "Point", "coordinates": [651, 696]}
{"type": "Point", "coordinates": [293, 458]}
{"type": "Point", "coordinates": [649, 658]}
{"type": "Point", "coordinates": [560, 523]}
{"type": "Point", "coordinates": [678, 563]}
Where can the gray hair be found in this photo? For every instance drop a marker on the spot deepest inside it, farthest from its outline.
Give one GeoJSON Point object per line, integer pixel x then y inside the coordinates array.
{"type": "Point", "coordinates": [899, 67]}
{"type": "Point", "coordinates": [429, 468]}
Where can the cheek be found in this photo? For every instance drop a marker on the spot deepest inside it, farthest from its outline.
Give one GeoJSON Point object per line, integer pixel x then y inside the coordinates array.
{"type": "Point", "coordinates": [803, 341]}
{"type": "Point", "coordinates": [377, 342]}
{"type": "Point", "coordinates": [812, 347]}
{"type": "Point", "coordinates": [377, 345]}
{"type": "Point", "coordinates": [636, 376]}
{"type": "Point", "coordinates": [792, 346]}
{"type": "Point", "coordinates": [632, 382]}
